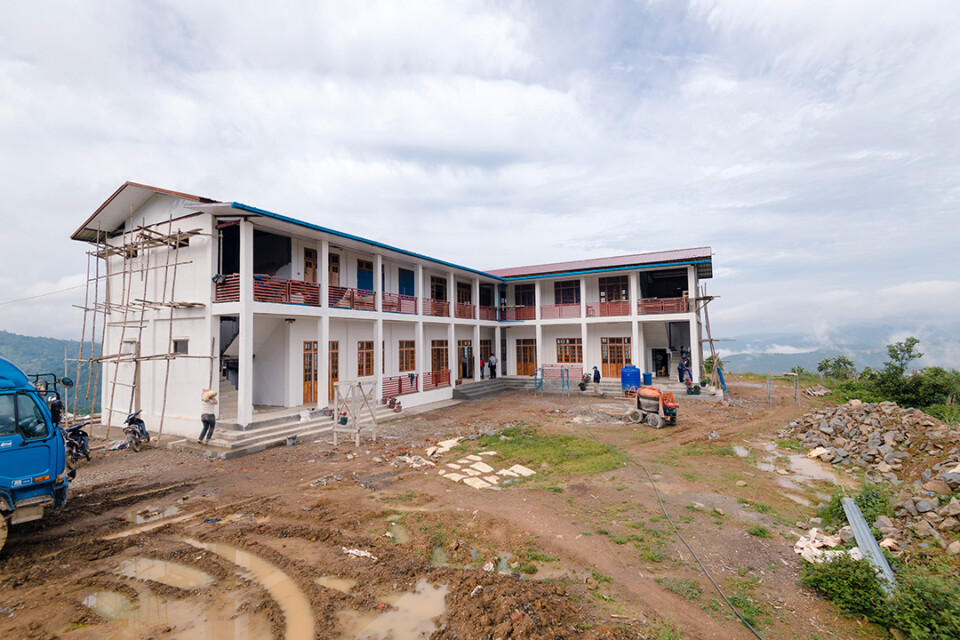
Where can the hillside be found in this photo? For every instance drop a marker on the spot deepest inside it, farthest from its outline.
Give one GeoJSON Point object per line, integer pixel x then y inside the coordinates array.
{"type": "Point", "coordinates": [35, 354]}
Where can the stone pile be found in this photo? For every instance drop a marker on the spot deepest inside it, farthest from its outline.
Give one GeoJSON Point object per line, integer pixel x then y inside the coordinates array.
{"type": "Point", "coordinates": [905, 447]}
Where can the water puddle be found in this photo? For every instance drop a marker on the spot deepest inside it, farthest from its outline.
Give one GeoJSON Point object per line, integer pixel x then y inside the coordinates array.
{"type": "Point", "coordinates": [503, 564]}
{"type": "Point", "coordinates": [337, 583]}
{"type": "Point", "coordinates": [741, 451]}
{"type": "Point", "coordinates": [169, 573]}
{"type": "Point", "coordinates": [149, 514]}
{"type": "Point", "coordinates": [148, 526]}
{"type": "Point", "coordinates": [439, 557]}
{"type": "Point", "coordinates": [399, 532]}
{"type": "Point", "coordinates": [185, 619]}
{"type": "Point", "coordinates": [283, 590]}
{"type": "Point", "coordinates": [799, 467]}
{"type": "Point", "coordinates": [412, 618]}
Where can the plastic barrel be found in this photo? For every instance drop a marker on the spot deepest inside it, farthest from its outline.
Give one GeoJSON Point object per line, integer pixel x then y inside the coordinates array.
{"type": "Point", "coordinates": [629, 377]}
{"type": "Point", "coordinates": [647, 379]}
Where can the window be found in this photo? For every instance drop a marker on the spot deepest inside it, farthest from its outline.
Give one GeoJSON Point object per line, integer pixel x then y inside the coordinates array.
{"type": "Point", "coordinates": [408, 355]}
{"type": "Point", "coordinates": [438, 288]}
{"type": "Point", "coordinates": [129, 347]}
{"type": "Point", "coordinates": [569, 351]}
{"type": "Point", "coordinates": [566, 292]}
{"type": "Point", "coordinates": [365, 358]}
{"type": "Point", "coordinates": [524, 295]}
{"type": "Point", "coordinates": [614, 289]}
{"type": "Point", "coordinates": [30, 418]}
{"type": "Point", "coordinates": [180, 346]}
{"type": "Point", "coordinates": [8, 416]}
{"type": "Point", "coordinates": [439, 355]}
{"type": "Point", "coordinates": [464, 292]}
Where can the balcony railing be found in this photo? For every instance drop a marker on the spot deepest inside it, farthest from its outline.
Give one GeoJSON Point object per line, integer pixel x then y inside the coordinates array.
{"type": "Point", "coordinates": [228, 289]}
{"type": "Point", "coordinates": [399, 385]}
{"type": "Point", "coordinates": [552, 311]}
{"type": "Point", "coordinates": [488, 313]}
{"type": "Point", "coordinates": [399, 303]}
{"type": "Point", "coordinates": [433, 307]}
{"type": "Point", "coordinates": [520, 313]}
{"type": "Point", "coordinates": [436, 379]}
{"type": "Point", "coordinates": [602, 309]}
{"type": "Point", "coordinates": [283, 291]}
{"type": "Point", "coordinates": [663, 305]}
{"type": "Point", "coordinates": [465, 310]}
{"type": "Point", "coordinates": [345, 298]}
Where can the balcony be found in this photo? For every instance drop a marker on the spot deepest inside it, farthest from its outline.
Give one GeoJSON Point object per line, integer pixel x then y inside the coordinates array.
{"type": "Point", "coordinates": [605, 309]}
{"type": "Point", "coordinates": [488, 313]}
{"type": "Point", "coordinates": [346, 298]}
{"type": "Point", "coordinates": [440, 308]}
{"type": "Point", "coordinates": [465, 310]}
{"type": "Point", "coordinates": [554, 311]}
{"type": "Point", "coordinates": [436, 379]}
{"type": "Point", "coordinates": [228, 289]}
{"type": "Point", "coordinates": [399, 303]}
{"type": "Point", "coordinates": [269, 289]}
{"type": "Point", "coordinates": [398, 385]}
{"type": "Point", "coordinates": [520, 313]}
{"type": "Point", "coordinates": [648, 306]}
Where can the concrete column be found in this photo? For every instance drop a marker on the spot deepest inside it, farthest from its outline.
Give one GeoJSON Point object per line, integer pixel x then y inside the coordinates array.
{"type": "Point", "coordinates": [640, 348]}
{"type": "Point", "coordinates": [421, 354]}
{"type": "Point", "coordinates": [245, 373]}
{"type": "Point", "coordinates": [378, 282]}
{"type": "Point", "coordinates": [475, 298]}
{"type": "Point", "coordinates": [293, 378]}
{"type": "Point", "coordinates": [378, 348]}
{"type": "Point", "coordinates": [476, 351]}
{"type": "Point", "coordinates": [634, 343]}
{"type": "Point", "coordinates": [583, 343]}
{"type": "Point", "coordinates": [452, 294]}
{"type": "Point", "coordinates": [323, 361]}
{"type": "Point", "coordinates": [452, 354]}
{"type": "Point", "coordinates": [420, 290]}
{"type": "Point", "coordinates": [323, 275]}
{"type": "Point", "coordinates": [497, 336]}
{"type": "Point", "coordinates": [634, 280]}
{"type": "Point", "coordinates": [539, 335]}
{"type": "Point", "coordinates": [536, 302]}
{"type": "Point", "coordinates": [694, 350]}
{"type": "Point", "coordinates": [583, 298]}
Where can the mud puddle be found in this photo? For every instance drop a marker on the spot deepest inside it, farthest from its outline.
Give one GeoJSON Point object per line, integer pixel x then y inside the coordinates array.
{"type": "Point", "coordinates": [149, 514]}
{"type": "Point", "coordinates": [800, 468]}
{"type": "Point", "coordinates": [168, 573]}
{"type": "Point", "coordinates": [343, 585]}
{"type": "Point", "coordinates": [411, 618]}
{"type": "Point", "coordinates": [397, 531]}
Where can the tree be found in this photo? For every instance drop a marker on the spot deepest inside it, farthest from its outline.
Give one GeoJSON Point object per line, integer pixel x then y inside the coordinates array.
{"type": "Point", "coordinates": [901, 354]}
{"type": "Point", "coordinates": [797, 369]}
{"type": "Point", "coordinates": [840, 367]}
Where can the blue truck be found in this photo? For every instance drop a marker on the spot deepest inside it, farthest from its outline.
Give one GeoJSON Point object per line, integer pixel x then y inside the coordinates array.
{"type": "Point", "coordinates": [33, 475]}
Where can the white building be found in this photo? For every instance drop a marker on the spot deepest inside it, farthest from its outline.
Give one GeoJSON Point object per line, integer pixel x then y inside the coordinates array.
{"type": "Point", "coordinates": [281, 309]}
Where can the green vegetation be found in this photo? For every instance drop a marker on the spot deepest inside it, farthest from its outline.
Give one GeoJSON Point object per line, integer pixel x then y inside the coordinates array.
{"type": "Point", "coordinates": [561, 454]}
{"type": "Point", "coordinates": [839, 367]}
{"type": "Point", "coordinates": [873, 500]}
{"type": "Point", "coordinates": [599, 577]}
{"type": "Point", "coordinates": [689, 589]}
{"type": "Point", "coordinates": [663, 630]}
{"type": "Point", "coordinates": [759, 531]}
{"type": "Point", "coordinates": [45, 355]}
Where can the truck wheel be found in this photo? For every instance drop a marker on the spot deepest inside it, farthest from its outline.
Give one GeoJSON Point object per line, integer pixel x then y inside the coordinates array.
{"type": "Point", "coordinates": [654, 420]}
{"type": "Point", "coordinates": [3, 530]}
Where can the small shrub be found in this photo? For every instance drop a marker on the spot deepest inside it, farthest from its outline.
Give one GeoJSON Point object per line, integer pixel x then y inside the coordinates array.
{"type": "Point", "coordinates": [599, 577]}
{"type": "Point", "coordinates": [747, 608]}
{"type": "Point", "coordinates": [759, 531]}
{"type": "Point", "coordinates": [926, 607]}
{"type": "Point", "coordinates": [689, 589]}
{"type": "Point", "coordinates": [850, 584]}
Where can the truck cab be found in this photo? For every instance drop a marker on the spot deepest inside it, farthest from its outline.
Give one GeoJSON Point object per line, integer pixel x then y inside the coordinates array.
{"type": "Point", "coordinates": [32, 452]}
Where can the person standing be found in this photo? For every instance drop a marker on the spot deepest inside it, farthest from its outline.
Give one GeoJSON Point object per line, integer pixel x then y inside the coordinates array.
{"type": "Point", "coordinates": [687, 371]}
{"type": "Point", "coordinates": [596, 381]}
{"type": "Point", "coordinates": [481, 368]}
{"type": "Point", "coordinates": [208, 416]}
{"type": "Point", "coordinates": [492, 361]}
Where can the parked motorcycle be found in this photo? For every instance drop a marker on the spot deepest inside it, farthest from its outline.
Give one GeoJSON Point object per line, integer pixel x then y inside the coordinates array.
{"type": "Point", "coordinates": [136, 431]}
{"type": "Point", "coordinates": [78, 443]}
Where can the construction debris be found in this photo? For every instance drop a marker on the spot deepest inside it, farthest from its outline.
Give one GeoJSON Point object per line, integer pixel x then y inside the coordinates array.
{"type": "Point", "coordinates": [816, 392]}
{"type": "Point", "coordinates": [811, 547]}
{"type": "Point", "coordinates": [359, 553]}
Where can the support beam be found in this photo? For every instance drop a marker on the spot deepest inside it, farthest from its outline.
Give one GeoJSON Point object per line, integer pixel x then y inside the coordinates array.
{"type": "Point", "coordinates": [378, 348]}
{"type": "Point", "coordinates": [245, 373]}
{"type": "Point", "coordinates": [323, 274]}
{"type": "Point", "coordinates": [323, 361]}
{"type": "Point", "coordinates": [476, 351]}
{"type": "Point", "coordinates": [421, 354]}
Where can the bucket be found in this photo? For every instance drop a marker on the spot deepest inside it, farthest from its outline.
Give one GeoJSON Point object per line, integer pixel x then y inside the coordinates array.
{"type": "Point", "coordinates": [291, 440]}
{"type": "Point", "coordinates": [343, 420]}
{"type": "Point", "coordinates": [647, 379]}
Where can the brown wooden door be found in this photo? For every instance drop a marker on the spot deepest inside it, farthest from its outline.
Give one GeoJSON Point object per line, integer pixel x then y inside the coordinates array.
{"type": "Point", "coordinates": [309, 372]}
{"type": "Point", "coordinates": [334, 362]}
{"type": "Point", "coordinates": [465, 357]}
{"type": "Point", "coordinates": [333, 270]}
{"type": "Point", "coordinates": [526, 356]}
{"type": "Point", "coordinates": [614, 354]}
{"type": "Point", "coordinates": [310, 265]}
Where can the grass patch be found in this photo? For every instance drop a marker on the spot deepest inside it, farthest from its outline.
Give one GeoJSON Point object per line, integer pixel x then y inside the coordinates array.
{"type": "Point", "coordinates": [759, 531]}
{"type": "Point", "coordinates": [562, 454]}
{"type": "Point", "coordinates": [651, 554]}
{"type": "Point", "coordinates": [555, 489]}
{"type": "Point", "coordinates": [599, 577]}
{"type": "Point", "coordinates": [407, 496]}
{"type": "Point", "coordinates": [747, 608]}
{"type": "Point", "coordinates": [790, 444]}
{"type": "Point", "coordinates": [689, 589]}
{"type": "Point", "coordinates": [662, 630]}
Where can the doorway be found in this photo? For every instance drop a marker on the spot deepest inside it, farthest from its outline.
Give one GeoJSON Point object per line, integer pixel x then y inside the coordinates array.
{"type": "Point", "coordinates": [661, 362]}
{"type": "Point", "coordinates": [310, 265]}
{"type": "Point", "coordinates": [465, 354]}
{"type": "Point", "coordinates": [614, 354]}
{"type": "Point", "coordinates": [309, 372]}
{"type": "Point", "coordinates": [333, 270]}
{"type": "Point", "coordinates": [334, 362]}
{"type": "Point", "coordinates": [526, 356]}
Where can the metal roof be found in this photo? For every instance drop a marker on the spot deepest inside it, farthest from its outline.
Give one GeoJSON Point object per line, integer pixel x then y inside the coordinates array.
{"type": "Point", "coordinates": [702, 257]}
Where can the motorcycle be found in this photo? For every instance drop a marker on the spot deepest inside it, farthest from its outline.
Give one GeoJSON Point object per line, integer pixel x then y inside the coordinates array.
{"type": "Point", "coordinates": [78, 443]}
{"type": "Point", "coordinates": [136, 431]}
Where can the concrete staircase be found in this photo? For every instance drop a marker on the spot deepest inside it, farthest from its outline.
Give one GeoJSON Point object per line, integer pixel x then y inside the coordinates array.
{"type": "Point", "coordinates": [232, 440]}
{"type": "Point", "coordinates": [609, 387]}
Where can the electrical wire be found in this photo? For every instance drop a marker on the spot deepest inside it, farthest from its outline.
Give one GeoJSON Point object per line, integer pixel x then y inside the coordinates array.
{"type": "Point", "coordinates": [42, 295]}
{"type": "Point", "coordinates": [677, 531]}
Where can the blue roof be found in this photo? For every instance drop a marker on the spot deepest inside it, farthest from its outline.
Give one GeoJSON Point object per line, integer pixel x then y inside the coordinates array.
{"type": "Point", "coordinates": [11, 377]}
{"type": "Point", "coordinates": [333, 232]}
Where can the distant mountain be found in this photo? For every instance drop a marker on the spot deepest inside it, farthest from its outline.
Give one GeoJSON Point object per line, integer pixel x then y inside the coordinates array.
{"type": "Point", "coordinates": [44, 355]}
{"type": "Point", "coordinates": [865, 345]}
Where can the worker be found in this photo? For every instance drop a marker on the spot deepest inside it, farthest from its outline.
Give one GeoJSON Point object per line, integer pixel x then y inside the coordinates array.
{"type": "Point", "coordinates": [596, 381]}
{"type": "Point", "coordinates": [209, 419]}
{"type": "Point", "coordinates": [492, 361]}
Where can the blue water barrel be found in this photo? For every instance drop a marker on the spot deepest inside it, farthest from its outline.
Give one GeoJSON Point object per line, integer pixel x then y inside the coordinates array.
{"type": "Point", "coordinates": [647, 379]}
{"type": "Point", "coordinates": [629, 377]}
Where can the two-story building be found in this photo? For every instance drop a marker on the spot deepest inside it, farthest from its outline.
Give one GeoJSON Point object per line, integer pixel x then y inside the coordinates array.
{"type": "Point", "coordinates": [276, 310]}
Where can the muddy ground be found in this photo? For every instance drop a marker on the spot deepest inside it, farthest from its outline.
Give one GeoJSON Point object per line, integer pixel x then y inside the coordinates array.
{"type": "Point", "coordinates": [165, 544]}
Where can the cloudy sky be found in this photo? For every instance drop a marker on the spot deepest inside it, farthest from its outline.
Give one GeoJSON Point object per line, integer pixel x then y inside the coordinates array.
{"type": "Point", "coordinates": [814, 145]}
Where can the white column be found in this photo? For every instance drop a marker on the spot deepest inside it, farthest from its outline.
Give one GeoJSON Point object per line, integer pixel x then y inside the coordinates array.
{"type": "Point", "coordinates": [452, 355]}
{"type": "Point", "coordinates": [476, 350]}
{"type": "Point", "coordinates": [640, 348]}
{"type": "Point", "coordinates": [583, 342]}
{"type": "Point", "coordinates": [695, 351]}
{"type": "Point", "coordinates": [420, 290]}
{"type": "Point", "coordinates": [378, 282]}
{"type": "Point", "coordinates": [378, 348]}
{"type": "Point", "coordinates": [583, 298]}
{"type": "Point", "coordinates": [634, 344]}
{"type": "Point", "coordinates": [245, 373]}
{"type": "Point", "coordinates": [293, 378]}
{"type": "Point", "coordinates": [497, 336]}
{"type": "Point", "coordinates": [323, 269]}
{"type": "Point", "coordinates": [323, 361]}
{"type": "Point", "coordinates": [475, 298]}
{"type": "Point", "coordinates": [452, 294]}
{"type": "Point", "coordinates": [634, 280]}
{"type": "Point", "coordinates": [536, 302]}
{"type": "Point", "coordinates": [420, 354]}
{"type": "Point", "coordinates": [539, 335]}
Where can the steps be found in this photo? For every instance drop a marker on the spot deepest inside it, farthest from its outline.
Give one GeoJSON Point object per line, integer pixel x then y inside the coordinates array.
{"type": "Point", "coordinates": [609, 387]}
{"type": "Point", "coordinates": [227, 399]}
{"type": "Point", "coordinates": [232, 440]}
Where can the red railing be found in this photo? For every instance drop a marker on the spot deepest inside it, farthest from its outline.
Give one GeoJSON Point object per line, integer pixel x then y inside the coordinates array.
{"type": "Point", "coordinates": [283, 291]}
{"type": "Point", "coordinates": [488, 313]}
{"type": "Point", "coordinates": [663, 305]}
{"type": "Point", "coordinates": [520, 313]}
{"type": "Point", "coordinates": [345, 298]}
{"type": "Point", "coordinates": [228, 290]}
{"type": "Point", "coordinates": [465, 310]}
{"type": "Point", "coordinates": [550, 311]}
{"type": "Point", "coordinates": [399, 385]}
{"type": "Point", "coordinates": [616, 308]}
{"type": "Point", "coordinates": [435, 379]}
{"type": "Point", "coordinates": [399, 303]}
{"type": "Point", "coordinates": [433, 307]}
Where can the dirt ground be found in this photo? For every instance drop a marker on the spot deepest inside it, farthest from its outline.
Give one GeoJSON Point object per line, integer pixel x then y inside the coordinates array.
{"type": "Point", "coordinates": [165, 544]}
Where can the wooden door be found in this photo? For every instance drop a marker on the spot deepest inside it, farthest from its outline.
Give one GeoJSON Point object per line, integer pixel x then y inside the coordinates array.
{"type": "Point", "coordinates": [526, 356]}
{"type": "Point", "coordinates": [614, 355]}
{"type": "Point", "coordinates": [333, 270]}
{"type": "Point", "coordinates": [309, 372]}
{"type": "Point", "coordinates": [465, 355]}
{"type": "Point", "coordinates": [310, 265]}
{"type": "Point", "coordinates": [334, 363]}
